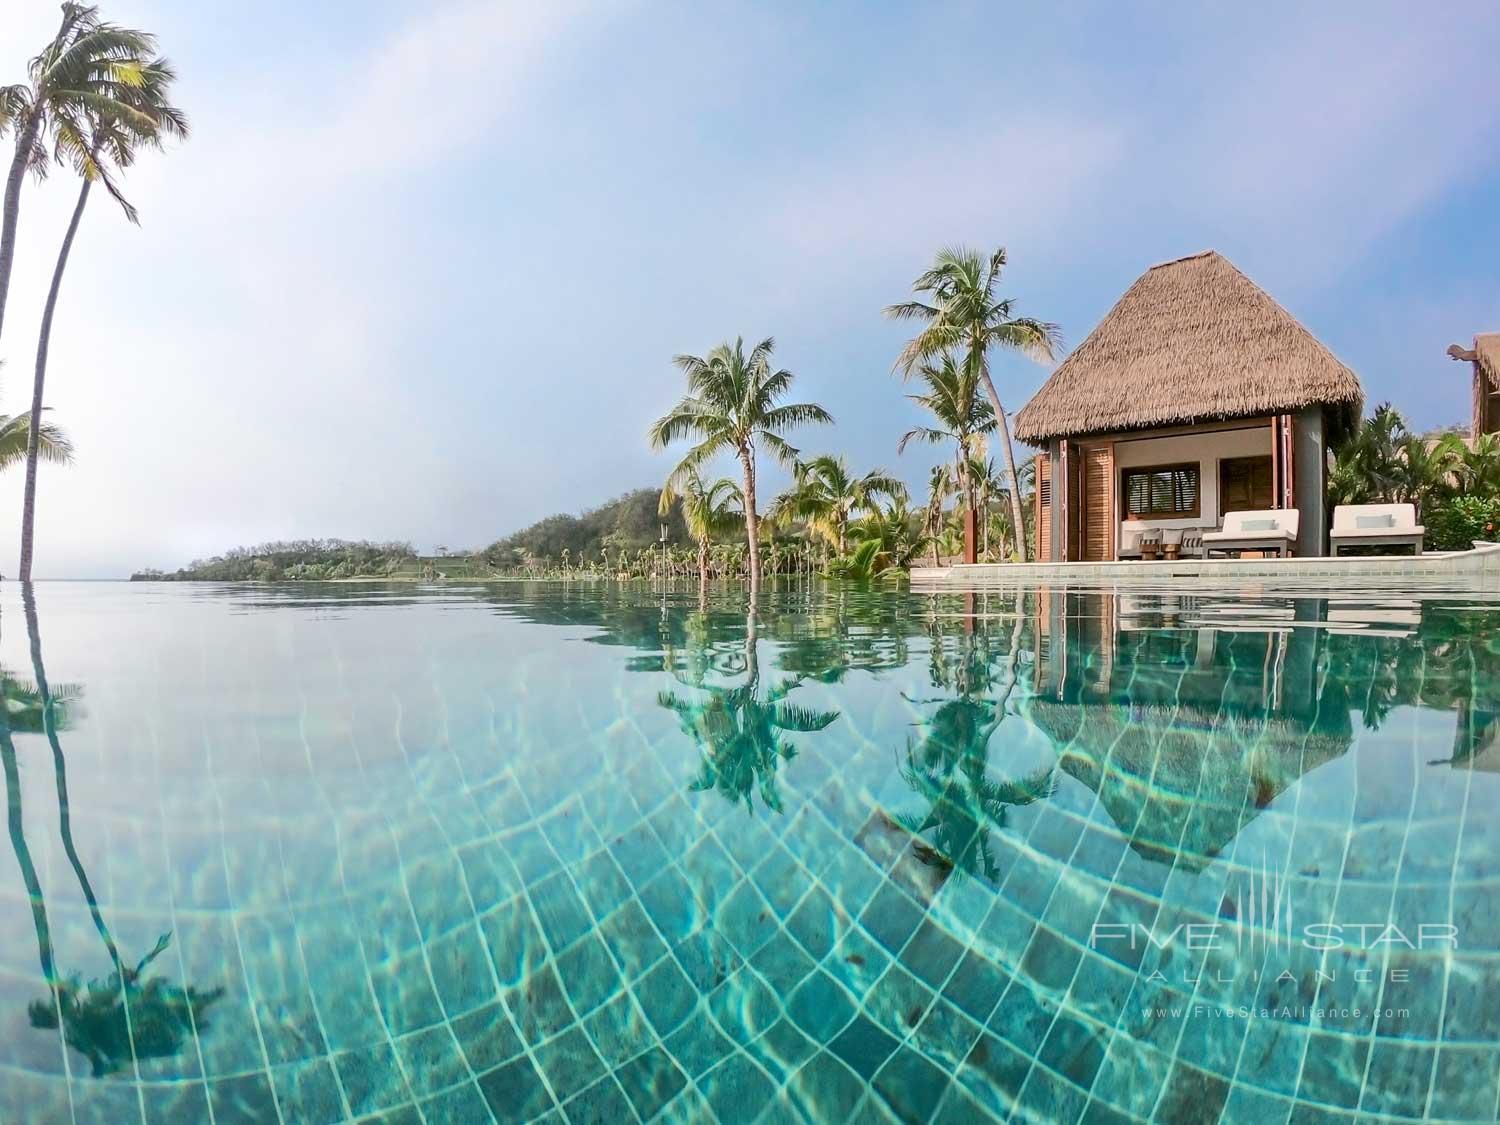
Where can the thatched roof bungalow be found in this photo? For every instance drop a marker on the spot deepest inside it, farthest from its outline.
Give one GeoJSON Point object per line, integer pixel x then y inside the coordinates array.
{"type": "Point", "coordinates": [1197, 394]}
{"type": "Point", "coordinates": [1485, 358]}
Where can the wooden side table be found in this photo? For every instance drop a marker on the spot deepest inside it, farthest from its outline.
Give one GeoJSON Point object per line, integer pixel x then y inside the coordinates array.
{"type": "Point", "coordinates": [1149, 549]}
{"type": "Point", "coordinates": [1172, 552]}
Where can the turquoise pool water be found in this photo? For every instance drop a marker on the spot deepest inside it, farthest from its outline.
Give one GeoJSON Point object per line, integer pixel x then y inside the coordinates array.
{"type": "Point", "coordinates": [584, 853]}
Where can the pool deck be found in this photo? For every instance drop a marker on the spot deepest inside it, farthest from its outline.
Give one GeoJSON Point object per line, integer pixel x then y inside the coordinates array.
{"type": "Point", "coordinates": [1484, 559]}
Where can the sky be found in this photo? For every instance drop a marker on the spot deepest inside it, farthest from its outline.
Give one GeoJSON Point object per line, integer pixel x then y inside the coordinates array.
{"type": "Point", "coordinates": [420, 270]}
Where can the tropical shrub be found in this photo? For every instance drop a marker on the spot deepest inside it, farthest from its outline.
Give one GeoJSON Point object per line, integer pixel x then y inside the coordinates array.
{"type": "Point", "coordinates": [1456, 524]}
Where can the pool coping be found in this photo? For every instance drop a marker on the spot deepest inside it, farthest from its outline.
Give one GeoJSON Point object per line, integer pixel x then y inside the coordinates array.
{"type": "Point", "coordinates": [1483, 558]}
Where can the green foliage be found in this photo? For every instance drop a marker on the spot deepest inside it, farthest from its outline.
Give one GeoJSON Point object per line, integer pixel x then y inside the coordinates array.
{"type": "Point", "coordinates": [1455, 485]}
{"type": "Point", "coordinates": [294, 560]}
{"type": "Point", "coordinates": [630, 522]}
{"type": "Point", "coordinates": [1384, 462]}
{"type": "Point", "coordinates": [1458, 523]}
{"type": "Point", "coordinates": [162, 1015]}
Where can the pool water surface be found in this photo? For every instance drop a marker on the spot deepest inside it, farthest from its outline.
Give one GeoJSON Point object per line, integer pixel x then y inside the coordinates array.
{"type": "Point", "coordinates": [590, 852]}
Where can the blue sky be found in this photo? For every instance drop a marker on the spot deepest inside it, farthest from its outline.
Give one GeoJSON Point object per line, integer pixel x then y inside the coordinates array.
{"type": "Point", "coordinates": [420, 271]}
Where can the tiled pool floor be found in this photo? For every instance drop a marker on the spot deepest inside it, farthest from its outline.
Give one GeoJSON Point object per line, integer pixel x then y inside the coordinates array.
{"type": "Point", "coordinates": [599, 854]}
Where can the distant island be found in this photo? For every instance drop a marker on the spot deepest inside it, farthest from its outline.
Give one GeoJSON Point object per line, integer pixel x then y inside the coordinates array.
{"type": "Point", "coordinates": [598, 540]}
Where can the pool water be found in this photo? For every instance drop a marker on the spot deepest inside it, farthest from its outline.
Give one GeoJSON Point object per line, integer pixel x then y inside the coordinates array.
{"type": "Point", "coordinates": [599, 853]}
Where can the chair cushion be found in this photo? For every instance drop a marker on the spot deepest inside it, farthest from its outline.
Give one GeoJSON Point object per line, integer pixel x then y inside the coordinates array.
{"type": "Point", "coordinates": [1370, 522]}
{"type": "Point", "coordinates": [1258, 525]}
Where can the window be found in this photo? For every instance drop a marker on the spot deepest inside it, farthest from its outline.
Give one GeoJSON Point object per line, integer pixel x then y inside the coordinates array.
{"type": "Point", "coordinates": [1162, 491]}
{"type": "Point", "coordinates": [1245, 484]}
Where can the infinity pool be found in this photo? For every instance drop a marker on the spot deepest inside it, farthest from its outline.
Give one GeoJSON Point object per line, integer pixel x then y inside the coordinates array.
{"type": "Point", "coordinates": [592, 853]}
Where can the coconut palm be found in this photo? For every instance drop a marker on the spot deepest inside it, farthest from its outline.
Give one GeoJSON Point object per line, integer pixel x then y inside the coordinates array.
{"type": "Point", "coordinates": [708, 510]}
{"type": "Point", "coordinates": [99, 139]}
{"type": "Point", "coordinates": [733, 405]}
{"type": "Point", "coordinates": [89, 66]}
{"type": "Point", "coordinates": [961, 415]}
{"type": "Point", "coordinates": [828, 496]}
{"type": "Point", "coordinates": [15, 436]}
{"type": "Point", "coordinates": [966, 315]}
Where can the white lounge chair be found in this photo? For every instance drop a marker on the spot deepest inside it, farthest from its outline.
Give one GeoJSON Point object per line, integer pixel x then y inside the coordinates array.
{"type": "Point", "coordinates": [1365, 525]}
{"type": "Point", "coordinates": [1274, 529]}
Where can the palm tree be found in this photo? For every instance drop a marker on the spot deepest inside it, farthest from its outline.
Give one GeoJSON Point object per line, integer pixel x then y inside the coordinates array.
{"type": "Point", "coordinates": [92, 137]}
{"type": "Point", "coordinates": [966, 315]}
{"type": "Point", "coordinates": [896, 532]}
{"type": "Point", "coordinates": [15, 436]}
{"type": "Point", "coordinates": [708, 510]}
{"type": "Point", "coordinates": [960, 413]}
{"type": "Point", "coordinates": [733, 406]}
{"type": "Point", "coordinates": [89, 66]}
{"type": "Point", "coordinates": [828, 496]}
{"type": "Point", "coordinates": [1427, 469]}
{"type": "Point", "coordinates": [940, 483]}
{"type": "Point", "coordinates": [1479, 466]}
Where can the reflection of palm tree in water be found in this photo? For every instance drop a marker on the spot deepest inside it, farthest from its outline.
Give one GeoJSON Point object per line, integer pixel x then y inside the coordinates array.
{"type": "Point", "coordinates": [948, 768]}
{"type": "Point", "coordinates": [124, 1016]}
{"type": "Point", "coordinates": [740, 732]}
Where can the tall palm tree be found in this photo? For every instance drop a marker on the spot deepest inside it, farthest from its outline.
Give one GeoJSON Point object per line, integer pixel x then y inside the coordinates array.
{"type": "Point", "coordinates": [93, 137]}
{"type": "Point", "coordinates": [961, 415]}
{"type": "Point", "coordinates": [966, 315]}
{"type": "Point", "coordinates": [733, 405]}
{"type": "Point", "coordinates": [828, 496]}
{"type": "Point", "coordinates": [88, 65]}
{"type": "Point", "coordinates": [708, 510]}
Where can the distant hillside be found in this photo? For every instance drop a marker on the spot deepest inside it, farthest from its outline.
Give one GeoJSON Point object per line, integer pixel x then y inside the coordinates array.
{"type": "Point", "coordinates": [300, 559]}
{"type": "Point", "coordinates": [629, 522]}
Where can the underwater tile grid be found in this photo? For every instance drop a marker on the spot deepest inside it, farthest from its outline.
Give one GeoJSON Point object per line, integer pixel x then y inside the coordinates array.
{"type": "Point", "coordinates": [584, 852]}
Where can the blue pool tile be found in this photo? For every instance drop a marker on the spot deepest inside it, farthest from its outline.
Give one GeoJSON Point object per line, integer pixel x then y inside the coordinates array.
{"type": "Point", "coordinates": [462, 1105]}
{"type": "Point", "coordinates": [737, 1089]}
{"type": "Point", "coordinates": [570, 1063]}
{"type": "Point", "coordinates": [911, 1085]}
{"type": "Point", "coordinates": [863, 1046]}
{"type": "Point", "coordinates": [650, 1080]}
{"type": "Point", "coordinates": [820, 1006]}
{"type": "Point", "coordinates": [432, 1060]}
{"type": "Point", "coordinates": [603, 1103]}
{"type": "Point", "coordinates": [826, 1089]}
{"type": "Point", "coordinates": [666, 996]}
{"type": "Point", "coordinates": [242, 1100]}
{"type": "Point", "coordinates": [371, 1078]}
{"type": "Point", "coordinates": [308, 1092]}
{"type": "Point", "coordinates": [515, 1091]}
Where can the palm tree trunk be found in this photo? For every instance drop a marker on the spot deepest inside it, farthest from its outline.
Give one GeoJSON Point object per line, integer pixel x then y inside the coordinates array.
{"type": "Point", "coordinates": [28, 502]}
{"type": "Point", "coordinates": [703, 565]}
{"type": "Point", "coordinates": [25, 138]}
{"type": "Point", "coordinates": [60, 770]}
{"type": "Point", "coordinates": [1010, 461]}
{"type": "Point", "coordinates": [752, 521]}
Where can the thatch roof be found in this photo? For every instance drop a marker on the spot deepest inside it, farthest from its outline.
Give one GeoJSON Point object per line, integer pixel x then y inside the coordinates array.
{"type": "Point", "coordinates": [1181, 782]}
{"type": "Point", "coordinates": [1487, 356]}
{"type": "Point", "coordinates": [1192, 340]}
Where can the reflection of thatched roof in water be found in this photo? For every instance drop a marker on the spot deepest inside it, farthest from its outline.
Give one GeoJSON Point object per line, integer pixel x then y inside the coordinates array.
{"type": "Point", "coordinates": [1179, 782]}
